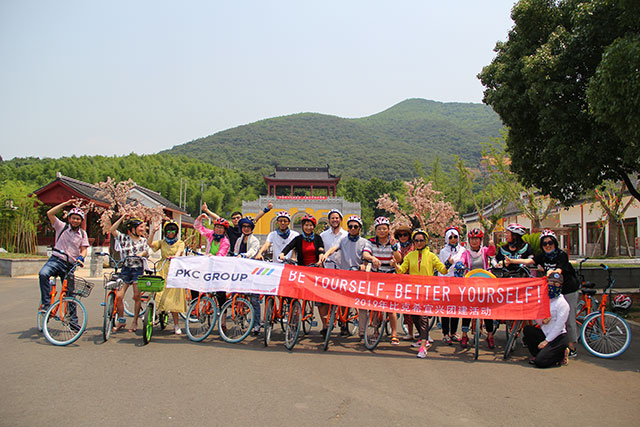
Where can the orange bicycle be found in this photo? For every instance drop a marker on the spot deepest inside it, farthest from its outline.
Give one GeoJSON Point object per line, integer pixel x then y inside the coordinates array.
{"type": "Point", "coordinates": [347, 317]}
{"type": "Point", "coordinates": [66, 319]}
{"type": "Point", "coordinates": [236, 318]}
{"type": "Point", "coordinates": [201, 316]}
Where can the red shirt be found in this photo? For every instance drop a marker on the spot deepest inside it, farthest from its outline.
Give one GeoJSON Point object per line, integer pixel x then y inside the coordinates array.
{"type": "Point", "coordinates": [308, 253]}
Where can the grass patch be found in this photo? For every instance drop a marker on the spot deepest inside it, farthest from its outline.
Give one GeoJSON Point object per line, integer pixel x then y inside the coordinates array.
{"type": "Point", "coordinates": [11, 255]}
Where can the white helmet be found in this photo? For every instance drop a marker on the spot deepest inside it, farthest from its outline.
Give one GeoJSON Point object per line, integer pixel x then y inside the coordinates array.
{"type": "Point", "coordinates": [283, 214]}
{"type": "Point", "coordinates": [355, 218]}
{"type": "Point", "coordinates": [517, 229]}
{"type": "Point", "coordinates": [622, 302]}
{"type": "Point", "coordinates": [381, 221]}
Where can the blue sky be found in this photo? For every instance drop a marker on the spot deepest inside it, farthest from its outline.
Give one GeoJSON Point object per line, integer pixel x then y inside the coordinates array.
{"type": "Point", "coordinates": [88, 77]}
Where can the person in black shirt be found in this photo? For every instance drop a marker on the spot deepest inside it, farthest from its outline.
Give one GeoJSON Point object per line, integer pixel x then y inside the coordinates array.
{"type": "Point", "coordinates": [555, 260]}
{"type": "Point", "coordinates": [234, 232]}
{"type": "Point", "coordinates": [515, 252]}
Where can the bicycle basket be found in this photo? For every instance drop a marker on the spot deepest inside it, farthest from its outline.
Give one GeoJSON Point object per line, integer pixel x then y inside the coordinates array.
{"type": "Point", "coordinates": [112, 281]}
{"type": "Point", "coordinates": [82, 287]}
{"type": "Point", "coordinates": [149, 283]}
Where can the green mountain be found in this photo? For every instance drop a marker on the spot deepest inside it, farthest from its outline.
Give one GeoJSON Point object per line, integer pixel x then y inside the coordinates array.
{"type": "Point", "coordinates": [384, 145]}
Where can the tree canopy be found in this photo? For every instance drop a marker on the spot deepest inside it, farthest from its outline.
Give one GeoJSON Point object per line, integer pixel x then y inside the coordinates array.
{"type": "Point", "coordinates": [566, 84]}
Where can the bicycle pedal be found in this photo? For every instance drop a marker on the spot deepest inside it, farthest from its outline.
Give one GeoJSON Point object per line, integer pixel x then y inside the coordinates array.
{"type": "Point", "coordinates": [314, 323]}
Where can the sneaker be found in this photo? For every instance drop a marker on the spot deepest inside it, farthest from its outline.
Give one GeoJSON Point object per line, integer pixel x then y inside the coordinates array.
{"type": "Point", "coordinates": [177, 331]}
{"type": "Point", "coordinates": [416, 344]}
{"type": "Point", "coordinates": [422, 353]}
{"type": "Point", "coordinates": [446, 340]}
{"type": "Point", "coordinates": [491, 343]}
{"type": "Point", "coordinates": [573, 354]}
{"type": "Point", "coordinates": [565, 359]}
{"type": "Point", "coordinates": [464, 342]}
{"type": "Point", "coordinates": [407, 338]}
{"type": "Point", "coordinates": [532, 361]}
{"type": "Point", "coordinates": [455, 338]}
{"type": "Point", "coordinates": [256, 331]}
{"type": "Point", "coordinates": [430, 339]}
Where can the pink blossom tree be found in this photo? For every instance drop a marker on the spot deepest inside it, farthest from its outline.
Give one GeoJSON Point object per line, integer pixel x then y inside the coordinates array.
{"type": "Point", "coordinates": [422, 207]}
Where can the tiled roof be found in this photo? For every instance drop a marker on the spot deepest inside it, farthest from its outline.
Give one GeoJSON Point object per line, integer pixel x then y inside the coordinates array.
{"type": "Point", "coordinates": [302, 173]}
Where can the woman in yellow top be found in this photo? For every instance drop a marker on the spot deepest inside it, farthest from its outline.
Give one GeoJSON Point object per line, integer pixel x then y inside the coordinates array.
{"type": "Point", "coordinates": [171, 299]}
{"type": "Point", "coordinates": [421, 261]}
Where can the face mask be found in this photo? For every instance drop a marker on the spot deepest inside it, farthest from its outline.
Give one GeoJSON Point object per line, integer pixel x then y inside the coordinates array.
{"type": "Point", "coordinates": [554, 290]}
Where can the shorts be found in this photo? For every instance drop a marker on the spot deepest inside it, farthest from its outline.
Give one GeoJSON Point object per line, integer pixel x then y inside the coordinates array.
{"type": "Point", "coordinates": [130, 275]}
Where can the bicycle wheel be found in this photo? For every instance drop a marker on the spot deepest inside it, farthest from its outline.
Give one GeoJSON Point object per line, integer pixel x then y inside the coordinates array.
{"type": "Point", "coordinates": [163, 318]}
{"type": "Point", "coordinates": [401, 324]}
{"type": "Point", "coordinates": [39, 319]}
{"type": "Point", "coordinates": [330, 324]}
{"type": "Point", "coordinates": [376, 324]}
{"type": "Point", "coordinates": [268, 320]}
{"type": "Point", "coordinates": [513, 332]}
{"type": "Point", "coordinates": [607, 336]}
{"type": "Point", "coordinates": [205, 313]}
{"type": "Point", "coordinates": [128, 309]}
{"type": "Point", "coordinates": [63, 324]}
{"type": "Point", "coordinates": [476, 338]}
{"type": "Point", "coordinates": [147, 324]}
{"type": "Point", "coordinates": [109, 316]}
{"type": "Point", "coordinates": [236, 320]}
{"type": "Point", "coordinates": [294, 324]}
{"type": "Point", "coordinates": [284, 313]}
{"type": "Point", "coordinates": [307, 323]}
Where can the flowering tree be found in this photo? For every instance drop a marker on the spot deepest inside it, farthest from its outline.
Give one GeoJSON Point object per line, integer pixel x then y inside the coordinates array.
{"type": "Point", "coordinates": [117, 194]}
{"type": "Point", "coordinates": [423, 207]}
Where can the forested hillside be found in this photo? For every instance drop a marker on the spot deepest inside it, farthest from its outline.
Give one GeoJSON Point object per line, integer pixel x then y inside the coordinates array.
{"type": "Point", "coordinates": [384, 145]}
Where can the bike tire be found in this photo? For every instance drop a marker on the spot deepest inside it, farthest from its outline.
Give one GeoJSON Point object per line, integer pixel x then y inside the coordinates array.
{"type": "Point", "coordinates": [64, 330]}
{"type": "Point", "coordinates": [330, 324]}
{"type": "Point", "coordinates": [39, 319]}
{"type": "Point", "coordinates": [611, 342]}
{"type": "Point", "coordinates": [284, 313]}
{"type": "Point", "coordinates": [205, 313]}
{"type": "Point", "coordinates": [294, 324]}
{"type": "Point", "coordinates": [108, 319]}
{"type": "Point", "coordinates": [308, 317]}
{"type": "Point", "coordinates": [476, 338]}
{"type": "Point", "coordinates": [511, 339]}
{"type": "Point", "coordinates": [147, 324]}
{"type": "Point", "coordinates": [128, 311]}
{"type": "Point", "coordinates": [374, 329]}
{"type": "Point", "coordinates": [352, 325]}
{"type": "Point", "coordinates": [236, 320]}
{"type": "Point", "coordinates": [268, 320]}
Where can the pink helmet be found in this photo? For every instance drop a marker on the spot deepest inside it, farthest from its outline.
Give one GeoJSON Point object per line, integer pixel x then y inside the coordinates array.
{"type": "Point", "coordinates": [76, 211]}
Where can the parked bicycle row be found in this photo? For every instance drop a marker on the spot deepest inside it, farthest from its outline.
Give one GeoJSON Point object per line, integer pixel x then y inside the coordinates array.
{"type": "Point", "coordinates": [575, 313]}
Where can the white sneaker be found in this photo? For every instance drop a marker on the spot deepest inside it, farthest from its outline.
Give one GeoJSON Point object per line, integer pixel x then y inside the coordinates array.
{"type": "Point", "coordinates": [422, 353]}
{"type": "Point", "coordinates": [177, 331]}
{"type": "Point", "coordinates": [416, 344]}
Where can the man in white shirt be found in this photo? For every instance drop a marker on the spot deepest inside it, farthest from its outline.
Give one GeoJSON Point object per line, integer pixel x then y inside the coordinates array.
{"type": "Point", "coordinates": [548, 344]}
{"type": "Point", "coordinates": [279, 238]}
{"type": "Point", "coordinates": [331, 236]}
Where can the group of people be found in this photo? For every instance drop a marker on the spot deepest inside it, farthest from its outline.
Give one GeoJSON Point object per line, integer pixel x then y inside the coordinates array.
{"type": "Point", "coordinates": [405, 251]}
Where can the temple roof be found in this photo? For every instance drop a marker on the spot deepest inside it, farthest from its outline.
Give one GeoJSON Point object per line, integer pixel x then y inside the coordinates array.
{"type": "Point", "coordinates": [301, 173]}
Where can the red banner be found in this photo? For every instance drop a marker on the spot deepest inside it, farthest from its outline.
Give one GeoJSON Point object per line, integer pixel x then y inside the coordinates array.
{"type": "Point", "coordinates": [475, 297]}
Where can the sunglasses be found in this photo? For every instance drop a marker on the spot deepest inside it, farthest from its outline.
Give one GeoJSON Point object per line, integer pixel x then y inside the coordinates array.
{"type": "Point", "coordinates": [353, 226]}
{"type": "Point", "coordinates": [403, 234]}
{"type": "Point", "coordinates": [453, 236]}
{"type": "Point", "coordinates": [547, 243]}
{"type": "Point", "coordinates": [246, 226]}
{"type": "Point", "coordinates": [419, 240]}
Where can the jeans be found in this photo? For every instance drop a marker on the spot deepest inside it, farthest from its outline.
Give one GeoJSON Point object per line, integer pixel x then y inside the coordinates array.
{"type": "Point", "coordinates": [255, 303]}
{"type": "Point", "coordinates": [55, 267]}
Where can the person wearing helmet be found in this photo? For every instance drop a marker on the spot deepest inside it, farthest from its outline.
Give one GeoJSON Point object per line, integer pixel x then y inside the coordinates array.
{"type": "Point", "coordinates": [247, 246]}
{"type": "Point", "coordinates": [402, 234]}
{"type": "Point", "coordinates": [477, 257]}
{"type": "Point", "coordinates": [452, 253]}
{"type": "Point", "coordinates": [421, 261]}
{"type": "Point", "coordinates": [70, 246]}
{"type": "Point", "coordinates": [353, 249]}
{"type": "Point", "coordinates": [218, 244]}
{"type": "Point", "coordinates": [332, 235]}
{"type": "Point", "coordinates": [234, 232]}
{"type": "Point", "coordinates": [381, 248]}
{"type": "Point", "coordinates": [280, 237]}
{"type": "Point", "coordinates": [308, 245]}
{"type": "Point", "coordinates": [515, 252]}
{"type": "Point", "coordinates": [134, 249]}
{"type": "Point", "coordinates": [548, 342]}
{"type": "Point", "coordinates": [555, 260]}
{"type": "Point", "coordinates": [171, 300]}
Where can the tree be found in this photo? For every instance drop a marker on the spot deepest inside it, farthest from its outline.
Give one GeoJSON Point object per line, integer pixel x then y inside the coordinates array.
{"type": "Point", "coordinates": [19, 218]}
{"type": "Point", "coordinates": [561, 139]}
{"type": "Point", "coordinates": [610, 196]}
{"type": "Point", "coordinates": [423, 207]}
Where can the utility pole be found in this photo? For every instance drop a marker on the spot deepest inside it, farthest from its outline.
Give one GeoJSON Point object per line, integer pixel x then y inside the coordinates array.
{"type": "Point", "coordinates": [201, 191]}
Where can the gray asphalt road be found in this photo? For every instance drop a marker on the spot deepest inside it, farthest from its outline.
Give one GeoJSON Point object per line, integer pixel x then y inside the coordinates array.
{"type": "Point", "coordinates": [173, 381]}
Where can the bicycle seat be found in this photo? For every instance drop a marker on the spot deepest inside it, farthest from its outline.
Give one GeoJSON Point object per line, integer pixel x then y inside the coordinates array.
{"type": "Point", "coordinates": [589, 285]}
{"type": "Point", "coordinates": [589, 292]}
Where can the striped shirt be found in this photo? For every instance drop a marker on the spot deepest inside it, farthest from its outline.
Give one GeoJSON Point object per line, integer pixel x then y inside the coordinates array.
{"type": "Point", "coordinates": [383, 252]}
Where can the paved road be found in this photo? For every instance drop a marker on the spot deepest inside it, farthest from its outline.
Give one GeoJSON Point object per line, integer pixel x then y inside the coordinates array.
{"type": "Point", "coordinates": [172, 381]}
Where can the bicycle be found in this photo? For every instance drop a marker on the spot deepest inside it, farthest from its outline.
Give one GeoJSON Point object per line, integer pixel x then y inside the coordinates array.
{"type": "Point", "coordinates": [605, 334]}
{"type": "Point", "coordinates": [476, 325]}
{"type": "Point", "coordinates": [112, 282]}
{"type": "Point", "coordinates": [65, 320]}
{"type": "Point", "coordinates": [376, 324]}
{"type": "Point", "coordinates": [347, 317]}
{"type": "Point", "coordinates": [151, 284]}
{"type": "Point", "coordinates": [201, 316]}
{"type": "Point", "coordinates": [236, 319]}
{"type": "Point", "coordinates": [513, 327]}
{"type": "Point", "coordinates": [587, 302]}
